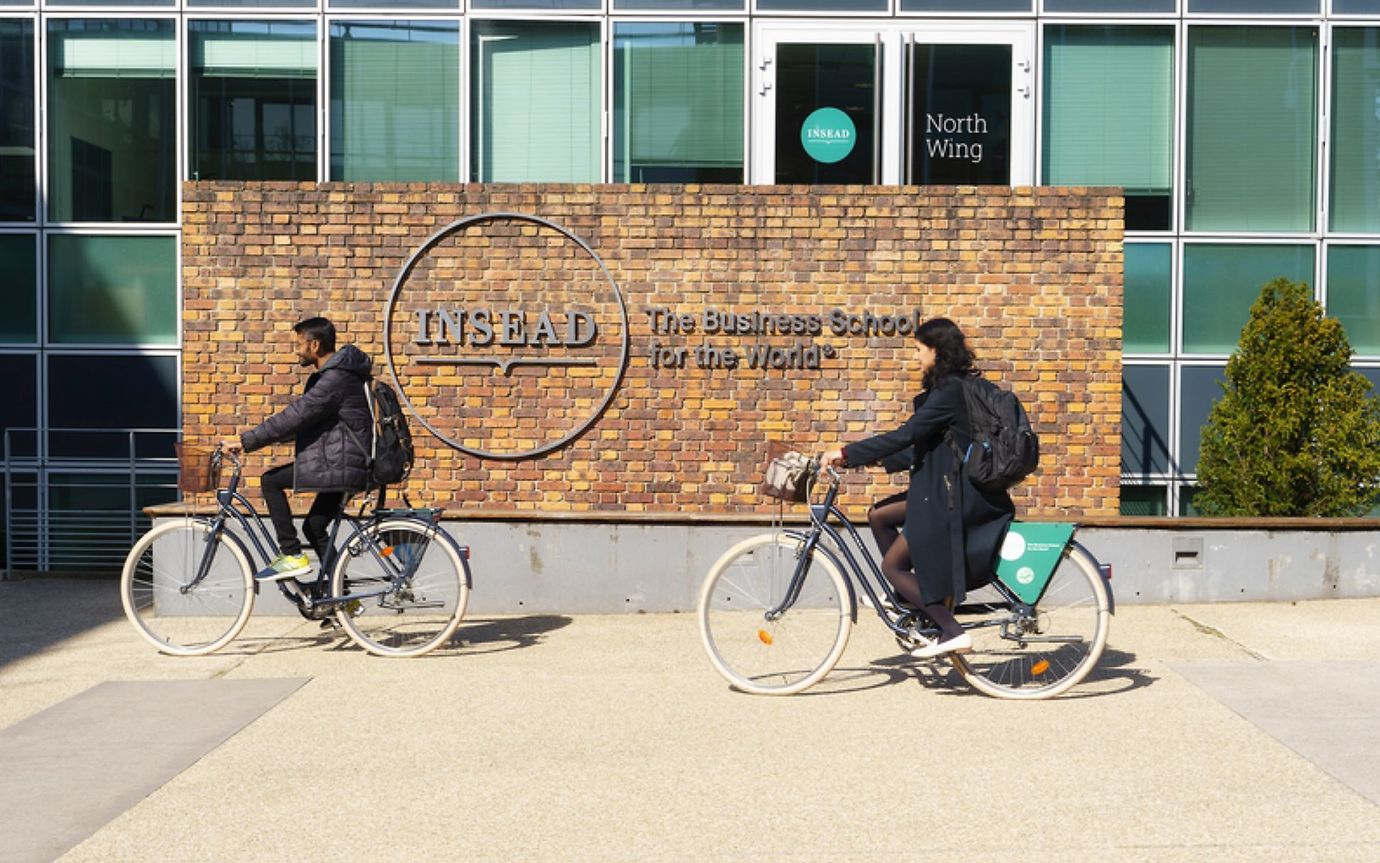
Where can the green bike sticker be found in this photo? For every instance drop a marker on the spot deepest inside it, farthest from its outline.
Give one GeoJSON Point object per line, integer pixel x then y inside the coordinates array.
{"type": "Point", "coordinates": [828, 135]}
{"type": "Point", "coordinates": [1029, 556]}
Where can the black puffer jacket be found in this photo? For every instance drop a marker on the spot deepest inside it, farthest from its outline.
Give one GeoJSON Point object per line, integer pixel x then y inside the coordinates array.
{"type": "Point", "coordinates": [327, 458]}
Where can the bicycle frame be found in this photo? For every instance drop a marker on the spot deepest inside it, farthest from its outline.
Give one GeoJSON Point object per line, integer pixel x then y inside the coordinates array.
{"type": "Point", "coordinates": [820, 514]}
{"type": "Point", "coordinates": [233, 505]}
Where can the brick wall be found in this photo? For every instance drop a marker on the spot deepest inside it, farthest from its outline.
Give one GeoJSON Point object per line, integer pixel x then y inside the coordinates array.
{"type": "Point", "coordinates": [1033, 275]}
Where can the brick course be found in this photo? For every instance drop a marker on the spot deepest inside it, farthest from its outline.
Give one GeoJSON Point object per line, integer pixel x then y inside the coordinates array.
{"type": "Point", "coordinates": [1032, 275]}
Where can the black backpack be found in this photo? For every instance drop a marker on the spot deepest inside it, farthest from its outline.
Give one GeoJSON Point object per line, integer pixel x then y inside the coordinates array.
{"type": "Point", "coordinates": [1004, 448]}
{"type": "Point", "coordinates": [393, 453]}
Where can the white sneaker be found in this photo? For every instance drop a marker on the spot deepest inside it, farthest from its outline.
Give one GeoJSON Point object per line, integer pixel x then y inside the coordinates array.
{"type": "Point", "coordinates": [958, 644]}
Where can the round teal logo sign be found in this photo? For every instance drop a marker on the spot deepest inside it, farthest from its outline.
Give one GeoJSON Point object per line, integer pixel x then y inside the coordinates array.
{"type": "Point", "coordinates": [828, 135]}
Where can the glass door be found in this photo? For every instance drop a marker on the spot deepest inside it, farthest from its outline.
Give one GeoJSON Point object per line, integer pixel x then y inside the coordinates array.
{"type": "Point", "coordinates": [969, 107]}
{"type": "Point", "coordinates": [922, 104]}
{"type": "Point", "coordinates": [819, 100]}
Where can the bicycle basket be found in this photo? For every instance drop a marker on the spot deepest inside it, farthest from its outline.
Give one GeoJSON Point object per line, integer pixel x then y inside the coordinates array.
{"type": "Point", "coordinates": [198, 470]}
{"type": "Point", "coordinates": [788, 477]}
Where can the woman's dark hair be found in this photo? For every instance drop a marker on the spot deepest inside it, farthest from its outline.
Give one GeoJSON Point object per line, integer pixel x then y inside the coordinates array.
{"type": "Point", "coordinates": [323, 331]}
{"type": "Point", "coordinates": [951, 354]}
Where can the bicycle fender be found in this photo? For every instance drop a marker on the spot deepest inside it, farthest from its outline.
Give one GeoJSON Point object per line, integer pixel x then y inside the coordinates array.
{"type": "Point", "coordinates": [1106, 582]}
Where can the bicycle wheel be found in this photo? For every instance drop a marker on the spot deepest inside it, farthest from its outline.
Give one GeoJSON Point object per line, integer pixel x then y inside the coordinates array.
{"type": "Point", "coordinates": [169, 606]}
{"type": "Point", "coordinates": [782, 653]}
{"type": "Point", "coordinates": [401, 616]}
{"type": "Point", "coordinates": [1039, 655]}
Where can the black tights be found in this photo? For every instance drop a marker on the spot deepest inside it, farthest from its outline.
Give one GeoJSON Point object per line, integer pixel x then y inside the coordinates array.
{"type": "Point", "coordinates": [886, 519]}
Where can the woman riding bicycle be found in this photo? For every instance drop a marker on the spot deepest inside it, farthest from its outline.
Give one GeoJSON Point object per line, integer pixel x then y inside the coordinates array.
{"type": "Point", "coordinates": [953, 529]}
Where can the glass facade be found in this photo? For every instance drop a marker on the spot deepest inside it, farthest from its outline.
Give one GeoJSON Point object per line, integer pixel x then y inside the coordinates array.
{"type": "Point", "coordinates": [1244, 133]}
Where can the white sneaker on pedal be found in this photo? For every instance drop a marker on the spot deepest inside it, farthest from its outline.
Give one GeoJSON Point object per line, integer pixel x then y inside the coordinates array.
{"type": "Point", "coordinates": [958, 644]}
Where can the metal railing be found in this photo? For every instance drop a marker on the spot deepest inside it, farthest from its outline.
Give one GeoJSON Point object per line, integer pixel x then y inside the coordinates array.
{"type": "Point", "coordinates": [74, 498]}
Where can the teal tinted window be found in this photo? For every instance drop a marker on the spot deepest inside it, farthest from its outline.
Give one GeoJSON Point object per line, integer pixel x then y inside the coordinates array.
{"type": "Point", "coordinates": [1143, 500]}
{"type": "Point", "coordinates": [112, 124]}
{"type": "Point", "coordinates": [1144, 419]}
{"type": "Point", "coordinates": [1201, 388]}
{"type": "Point", "coordinates": [115, 290]}
{"type": "Point", "coordinates": [1109, 115]}
{"type": "Point", "coordinates": [1148, 284]}
{"type": "Point", "coordinates": [678, 103]}
{"type": "Point", "coordinates": [116, 392]}
{"type": "Point", "coordinates": [535, 102]}
{"type": "Point", "coordinates": [1355, 168]}
{"type": "Point", "coordinates": [17, 141]}
{"type": "Point", "coordinates": [1353, 294]}
{"type": "Point", "coordinates": [253, 100]}
{"type": "Point", "coordinates": [395, 101]}
{"type": "Point", "coordinates": [1252, 136]}
{"type": "Point", "coordinates": [18, 288]}
{"type": "Point", "coordinates": [1221, 282]}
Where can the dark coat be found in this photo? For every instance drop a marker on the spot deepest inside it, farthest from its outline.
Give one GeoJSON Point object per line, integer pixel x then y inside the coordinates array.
{"type": "Point", "coordinates": [953, 528]}
{"type": "Point", "coordinates": [327, 459]}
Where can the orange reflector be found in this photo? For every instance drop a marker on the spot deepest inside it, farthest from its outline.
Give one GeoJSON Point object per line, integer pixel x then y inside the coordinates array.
{"type": "Point", "coordinates": [386, 550]}
{"type": "Point", "coordinates": [1040, 667]}
{"type": "Point", "coordinates": [764, 636]}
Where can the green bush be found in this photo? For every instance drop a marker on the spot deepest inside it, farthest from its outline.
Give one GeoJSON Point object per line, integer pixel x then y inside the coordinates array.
{"type": "Point", "coordinates": [1297, 431]}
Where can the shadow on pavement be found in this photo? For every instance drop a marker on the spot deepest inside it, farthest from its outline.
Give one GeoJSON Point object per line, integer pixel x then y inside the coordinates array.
{"type": "Point", "coordinates": [37, 612]}
{"type": "Point", "coordinates": [473, 637]}
{"type": "Point", "coordinates": [1115, 667]}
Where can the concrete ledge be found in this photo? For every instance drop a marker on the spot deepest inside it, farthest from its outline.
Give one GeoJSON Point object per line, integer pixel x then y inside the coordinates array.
{"type": "Point", "coordinates": [654, 562]}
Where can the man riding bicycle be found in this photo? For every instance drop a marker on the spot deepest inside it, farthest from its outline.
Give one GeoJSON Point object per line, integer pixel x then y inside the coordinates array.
{"type": "Point", "coordinates": [331, 427]}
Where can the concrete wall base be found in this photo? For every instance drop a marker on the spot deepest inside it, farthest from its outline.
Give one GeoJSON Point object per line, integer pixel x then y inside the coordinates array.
{"type": "Point", "coordinates": [585, 568]}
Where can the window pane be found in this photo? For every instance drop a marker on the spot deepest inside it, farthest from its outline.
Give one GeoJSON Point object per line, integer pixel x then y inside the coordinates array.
{"type": "Point", "coordinates": [822, 5]}
{"type": "Point", "coordinates": [1109, 6]}
{"type": "Point", "coordinates": [536, 4]}
{"type": "Point", "coordinates": [678, 103]}
{"type": "Point", "coordinates": [536, 102]}
{"type": "Point", "coordinates": [1252, 112]}
{"type": "Point", "coordinates": [1186, 507]}
{"type": "Point", "coordinates": [1355, 169]}
{"type": "Point", "coordinates": [17, 121]}
{"type": "Point", "coordinates": [111, 121]}
{"type": "Point", "coordinates": [687, 5]}
{"type": "Point", "coordinates": [115, 392]}
{"type": "Point", "coordinates": [253, 100]}
{"type": "Point", "coordinates": [1221, 282]}
{"type": "Point", "coordinates": [1109, 115]}
{"type": "Point", "coordinates": [19, 407]}
{"type": "Point", "coordinates": [1353, 294]}
{"type": "Point", "coordinates": [1147, 290]}
{"type": "Point", "coordinates": [394, 4]}
{"type": "Point", "coordinates": [251, 4]}
{"type": "Point", "coordinates": [395, 101]}
{"type": "Point", "coordinates": [1355, 7]}
{"type": "Point", "coordinates": [18, 288]}
{"type": "Point", "coordinates": [960, 5]}
{"type": "Point", "coordinates": [1262, 7]}
{"type": "Point", "coordinates": [1143, 500]}
{"type": "Point", "coordinates": [1144, 419]}
{"type": "Point", "coordinates": [120, 290]}
{"type": "Point", "coordinates": [1202, 386]}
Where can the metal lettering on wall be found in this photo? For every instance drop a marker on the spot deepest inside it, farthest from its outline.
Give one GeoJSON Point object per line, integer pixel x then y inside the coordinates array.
{"type": "Point", "coordinates": [507, 335]}
{"type": "Point", "coordinates": [753, 327]}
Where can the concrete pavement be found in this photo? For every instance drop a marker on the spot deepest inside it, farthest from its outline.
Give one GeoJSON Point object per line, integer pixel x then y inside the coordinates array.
{"type": "Point", "coordinates": [610, 738]}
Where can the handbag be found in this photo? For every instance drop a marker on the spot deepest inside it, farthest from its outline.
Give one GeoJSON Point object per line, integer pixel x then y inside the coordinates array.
{"type": "Point", "coordinates": [788, 477]}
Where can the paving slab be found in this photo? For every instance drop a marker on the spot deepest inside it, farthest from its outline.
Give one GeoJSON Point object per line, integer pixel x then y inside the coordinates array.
{"type": "Point", "coordinates": [71, 768]}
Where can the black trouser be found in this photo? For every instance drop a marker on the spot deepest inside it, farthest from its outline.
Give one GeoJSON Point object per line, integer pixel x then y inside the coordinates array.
{"type": "Point", "coordinates": [276, 482]}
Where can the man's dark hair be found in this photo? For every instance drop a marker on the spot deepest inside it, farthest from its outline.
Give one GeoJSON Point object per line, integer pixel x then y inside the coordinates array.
{"type": "Point", "coordinates": [951, 354]}
{"type": "Point", "coordinates": [317, 329]}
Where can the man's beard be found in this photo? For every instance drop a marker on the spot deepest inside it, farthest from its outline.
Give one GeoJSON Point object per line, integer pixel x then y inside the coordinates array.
{"type": "Point", "coordinates": [306, 361]}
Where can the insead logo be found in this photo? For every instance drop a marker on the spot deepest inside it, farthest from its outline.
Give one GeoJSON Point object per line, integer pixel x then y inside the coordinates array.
{"type": "Point", "coordinates": [507, 335]}
{"type": "Point", "coordinates": [828, 135]}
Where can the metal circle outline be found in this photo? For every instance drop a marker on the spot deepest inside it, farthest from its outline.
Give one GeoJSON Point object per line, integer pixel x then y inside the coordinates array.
{"type": "Point", "coordinates": [407, 271]}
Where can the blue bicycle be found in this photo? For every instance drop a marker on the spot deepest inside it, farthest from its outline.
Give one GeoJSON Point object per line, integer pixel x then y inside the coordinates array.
{"type": "Point", "coordinates": [776, 610]}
